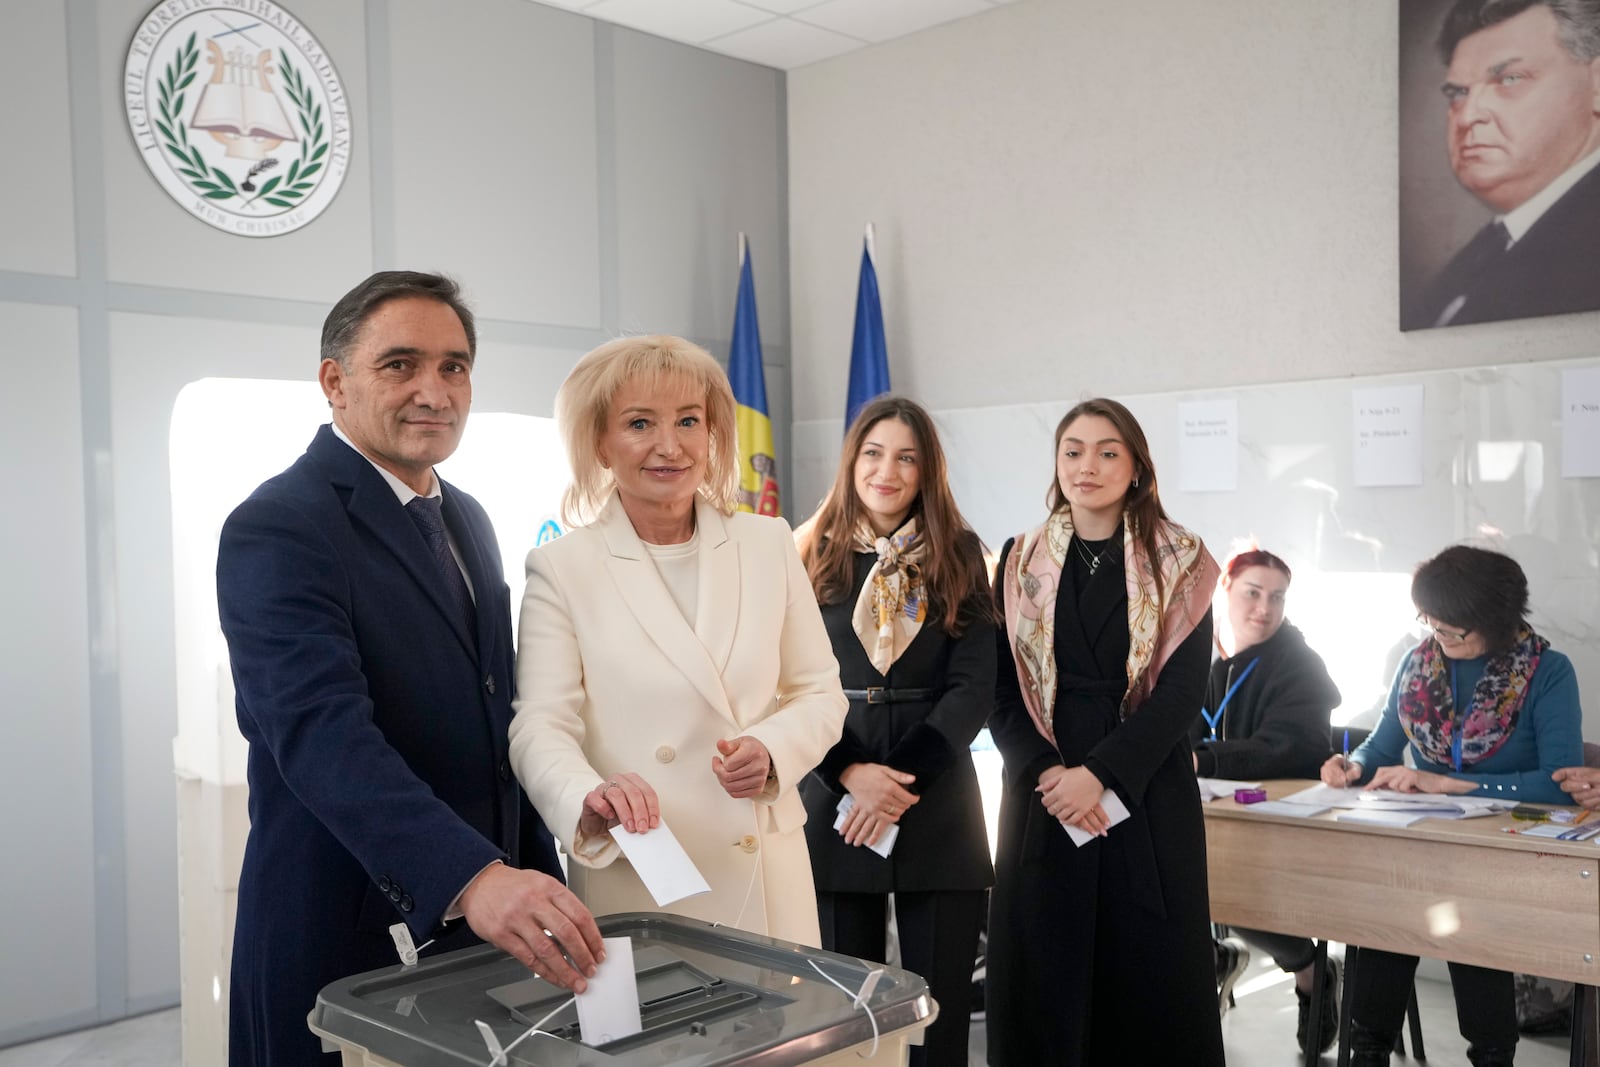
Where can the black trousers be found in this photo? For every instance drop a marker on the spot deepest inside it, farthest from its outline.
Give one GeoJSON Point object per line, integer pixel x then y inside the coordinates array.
{"type": "Point", "coordinates": [938, 940]}
{"type": "Point", "coordinates": [1290, 953]}
{"type": "Point", "coordinates": [1486, 1008]}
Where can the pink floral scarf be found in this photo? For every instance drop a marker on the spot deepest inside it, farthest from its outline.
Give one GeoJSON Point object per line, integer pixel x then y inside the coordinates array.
{"type": "Point", "coordinates": [1033, 577]}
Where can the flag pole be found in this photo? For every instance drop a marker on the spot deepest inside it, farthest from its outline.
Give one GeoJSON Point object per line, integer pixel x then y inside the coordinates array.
{"type": "Point", "coordinates": [871, 244]}
{"type": "Point", "coordinates": [741, 248]}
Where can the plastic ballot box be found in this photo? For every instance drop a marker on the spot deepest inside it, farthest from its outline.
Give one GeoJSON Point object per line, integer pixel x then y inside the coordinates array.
{"type": "Point", "coordinates": [709, 996]}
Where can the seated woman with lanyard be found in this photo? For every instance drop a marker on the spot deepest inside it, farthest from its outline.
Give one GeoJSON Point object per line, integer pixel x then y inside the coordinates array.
{"type": "Point", "coordinates": [1486, 708]}
{"type": "Point", "coordinates": [1268, 700]}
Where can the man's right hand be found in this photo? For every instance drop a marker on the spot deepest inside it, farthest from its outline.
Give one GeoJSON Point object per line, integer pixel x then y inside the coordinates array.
{"type": "Point", "coordinates": [536, 919]}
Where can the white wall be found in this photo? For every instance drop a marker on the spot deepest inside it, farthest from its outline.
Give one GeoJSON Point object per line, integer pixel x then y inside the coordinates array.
{"type": "Point", "coordinates": [499, 140]}
{"type": "Point", "coordinates": [1076, 197]}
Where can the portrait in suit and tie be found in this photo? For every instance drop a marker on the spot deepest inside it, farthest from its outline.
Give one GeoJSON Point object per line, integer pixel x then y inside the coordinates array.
{"type": "Point", "coordinates": [1499, 160]}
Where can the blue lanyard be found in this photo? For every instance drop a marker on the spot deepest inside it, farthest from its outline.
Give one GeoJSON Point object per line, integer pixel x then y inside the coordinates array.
{"type": "Point", "coordinates": [1455, 723]}
{"type": "Point", "coordinates": [1214, 719]}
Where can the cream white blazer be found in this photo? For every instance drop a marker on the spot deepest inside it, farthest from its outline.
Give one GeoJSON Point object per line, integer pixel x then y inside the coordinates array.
{"type": "Point", "coordinates": [612, 678]}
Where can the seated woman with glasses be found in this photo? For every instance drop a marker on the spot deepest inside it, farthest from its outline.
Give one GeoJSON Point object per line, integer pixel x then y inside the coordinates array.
{"type": "Point", "coordinates": [1486, 708]}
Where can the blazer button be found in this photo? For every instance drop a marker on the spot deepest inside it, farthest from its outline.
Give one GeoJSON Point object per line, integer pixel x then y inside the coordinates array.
{"type": "Point", "coordinates": [505, 771]}
{"type": "Point", "coordinates": [748, 842]}
{"type": "Point", "coordinates": [406, 903]}
{"type": "Point", "coordinates": [383, 884]}
{"type": "Point", "coordinates": [665, 754]}
{"type": "Point", "coordinates": [488, 683]}
{"type": "Point", "coordinates": [395, 894]}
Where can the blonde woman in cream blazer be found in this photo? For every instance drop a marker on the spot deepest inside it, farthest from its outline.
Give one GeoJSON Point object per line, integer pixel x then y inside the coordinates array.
{"type": "Point", "coordinates": [672, 661]}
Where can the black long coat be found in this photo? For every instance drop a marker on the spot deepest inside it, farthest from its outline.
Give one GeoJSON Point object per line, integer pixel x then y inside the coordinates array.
{"type": "Point", "coordinates": [943, 844]}
{"type": "Point", "coordinates": [1102, 954]}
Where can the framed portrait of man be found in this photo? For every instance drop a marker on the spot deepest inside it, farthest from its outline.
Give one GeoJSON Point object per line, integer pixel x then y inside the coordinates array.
{"type": "Point", "coordinates": [1499, 160]}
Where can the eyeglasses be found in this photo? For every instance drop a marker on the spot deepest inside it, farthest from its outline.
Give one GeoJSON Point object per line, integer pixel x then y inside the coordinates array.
{"type": "Point", "coordinates": [1451, 636]}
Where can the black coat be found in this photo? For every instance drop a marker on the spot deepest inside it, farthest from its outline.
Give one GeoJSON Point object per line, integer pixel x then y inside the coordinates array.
{"type": "Point", "coordinates": [1276, 723]}
{"type": "Point", "coordinates": [1550, 271]}
{"type": "Point", "coordinates": [943, 844]}
{"type": "Point", "coordinates": [1102, 954]}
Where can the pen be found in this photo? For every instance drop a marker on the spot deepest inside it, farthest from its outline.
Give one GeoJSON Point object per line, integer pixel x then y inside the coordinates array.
{"type": "Point", "coordinates": [1347, 746]}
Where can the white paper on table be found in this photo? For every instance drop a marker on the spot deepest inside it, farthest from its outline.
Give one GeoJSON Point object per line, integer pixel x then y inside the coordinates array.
{"type": "Point", "coordinates": [1388, 435]}
{"type": "Point", "coordinates": [1580, 422]}
{"type": "Point", "coordinates": [1294, 811]}
{"type": "Point", "coordinates": [886, 840]}
{"type": "Point", "coordinates": [1115, 811]}
{"type": "Point", "coordinates": [1379, 817]}
{"type": "Point", "coordinates": [661, 863]}
{"type": "Point", "coordinates": [608, 1010]}
{"type": "Point", "coordinates": [1432, 805]}
{"type": "Point", "coordinates": [1326, 796]}
{"type": "Point", "coordinates": [1222, 788]}
{"type": "Point", "coordinates": [1208, 452]}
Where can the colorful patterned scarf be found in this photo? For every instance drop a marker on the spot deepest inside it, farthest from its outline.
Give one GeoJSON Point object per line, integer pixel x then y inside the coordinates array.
{"type": "Point", "coordinates": [1033, 577]}
{"type": "Point", "coordinates": [1427, 711]}
{"type": "Point", "coordinates": [890, 608]}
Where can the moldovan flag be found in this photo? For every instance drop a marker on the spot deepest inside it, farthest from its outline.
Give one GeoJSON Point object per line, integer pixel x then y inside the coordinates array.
{"type": "Point", "coordinates": [758, 469]}
{"type": "Point", "coordinates": [869, 356]}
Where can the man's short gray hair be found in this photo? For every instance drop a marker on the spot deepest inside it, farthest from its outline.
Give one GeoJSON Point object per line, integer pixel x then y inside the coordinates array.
{"type": "Point", "coordinates": [1577, 23]}
{"type": "Point", "coordinates": [343, 324]}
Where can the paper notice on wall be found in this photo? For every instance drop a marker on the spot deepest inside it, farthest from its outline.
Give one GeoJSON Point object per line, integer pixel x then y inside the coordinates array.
{"type": "Point", "coordinates": [1388, 435]}
{"type": "Point", "coordinates": [1580, 423]}
{"type": "Point", "coordinates": [1208, 446]}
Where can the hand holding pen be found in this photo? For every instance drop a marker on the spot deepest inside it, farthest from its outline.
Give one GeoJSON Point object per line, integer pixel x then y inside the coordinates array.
{"type": "Point", "coordinates": [1338, 771]}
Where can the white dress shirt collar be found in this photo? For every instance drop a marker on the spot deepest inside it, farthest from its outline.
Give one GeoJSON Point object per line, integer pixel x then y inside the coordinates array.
{"type": "Point", "coordinates": [401, 490]}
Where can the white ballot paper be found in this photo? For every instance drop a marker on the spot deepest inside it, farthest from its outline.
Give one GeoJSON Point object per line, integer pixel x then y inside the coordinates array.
{"type": "Point", "coordinates": [1115, 811]}
{"type": "Point", "coordinates": [885, 845]}
{"type": "Point", "coordinates": [609, 1009]}
{"type": "Point", "coordinates": [661, 863]}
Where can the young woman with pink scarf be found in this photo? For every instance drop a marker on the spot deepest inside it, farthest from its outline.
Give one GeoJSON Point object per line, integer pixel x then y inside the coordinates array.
{"type": "Point", "coordinates": [1100, 952]}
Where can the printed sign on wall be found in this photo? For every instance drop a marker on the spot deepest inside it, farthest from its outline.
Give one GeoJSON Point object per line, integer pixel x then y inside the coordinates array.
{"type": "Point", "coordinates": [238, 113]}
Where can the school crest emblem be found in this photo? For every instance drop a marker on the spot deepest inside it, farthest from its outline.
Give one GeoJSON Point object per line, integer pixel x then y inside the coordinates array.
{"type": "Point", "coordinates": [238, 113]}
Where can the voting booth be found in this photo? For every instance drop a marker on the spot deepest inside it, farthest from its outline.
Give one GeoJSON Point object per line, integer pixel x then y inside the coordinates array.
{"type": "Point", "coordinates": [710, 996]}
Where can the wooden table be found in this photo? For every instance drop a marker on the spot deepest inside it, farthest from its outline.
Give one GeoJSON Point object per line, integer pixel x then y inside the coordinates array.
{"type": "Point", "coordinates": [1462, 890]}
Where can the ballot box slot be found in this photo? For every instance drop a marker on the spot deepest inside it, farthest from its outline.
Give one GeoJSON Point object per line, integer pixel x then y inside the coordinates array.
{"type": "Point", "coordinates": [673, 995]}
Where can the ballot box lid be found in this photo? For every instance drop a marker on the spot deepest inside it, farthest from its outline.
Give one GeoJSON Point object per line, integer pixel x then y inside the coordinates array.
{"type": "Point", "coordinates": [709, 996]}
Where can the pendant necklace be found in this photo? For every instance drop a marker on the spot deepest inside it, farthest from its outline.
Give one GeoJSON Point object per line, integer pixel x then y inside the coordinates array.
{"type": "Point", "coordinates": [1092, 561]}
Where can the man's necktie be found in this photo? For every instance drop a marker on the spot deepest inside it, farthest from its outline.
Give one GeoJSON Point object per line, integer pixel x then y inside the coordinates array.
{"type": "Point", "coordinates": [428, 513]}
{"type": "Point", "coordinates": [1489, 245]}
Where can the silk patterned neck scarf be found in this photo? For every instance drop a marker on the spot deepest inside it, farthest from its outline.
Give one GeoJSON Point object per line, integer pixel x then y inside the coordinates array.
{"type": "Point", "coordinates": [1155, 627]}
{"type": "Point", "coordinates": [890, 608]}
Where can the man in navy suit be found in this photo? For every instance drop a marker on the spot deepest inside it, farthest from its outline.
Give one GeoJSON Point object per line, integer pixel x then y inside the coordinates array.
{"type": "Point", "coordinates": [1523, 93]}
{"type": "Point", "coordinates": [369, 628]}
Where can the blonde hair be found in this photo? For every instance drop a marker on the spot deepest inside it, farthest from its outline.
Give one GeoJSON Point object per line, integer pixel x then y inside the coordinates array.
{"type": "Point", "coordinates": [584, 402]}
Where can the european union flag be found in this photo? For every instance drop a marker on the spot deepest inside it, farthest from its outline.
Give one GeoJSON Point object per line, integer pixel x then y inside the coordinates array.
{"type": "Point", "coordinates": [869, 356]}
{"type": "Point", "coordinates": [758, 467]}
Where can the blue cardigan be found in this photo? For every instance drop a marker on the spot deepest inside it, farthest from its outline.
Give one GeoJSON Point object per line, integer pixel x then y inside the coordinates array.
{"type": "Point", "coordinates": [1548, 736]}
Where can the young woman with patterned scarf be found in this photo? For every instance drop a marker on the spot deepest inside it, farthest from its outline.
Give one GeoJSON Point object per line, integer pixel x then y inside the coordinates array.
{"type": "Point", "coordinates": [1101, 952]}
{"type": "Point", "coordinates": [904, 594]}
{"type": "Point", "coordinates": [1487, 708]}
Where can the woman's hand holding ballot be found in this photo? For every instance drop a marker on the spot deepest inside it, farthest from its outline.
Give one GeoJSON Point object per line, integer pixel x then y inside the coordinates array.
{"type": "Point", "coordinates": [881, 799]}
{"type": "Point", "coordinates": [1072, 795]}
{"type": "Point", "coordinates": [623, 799]}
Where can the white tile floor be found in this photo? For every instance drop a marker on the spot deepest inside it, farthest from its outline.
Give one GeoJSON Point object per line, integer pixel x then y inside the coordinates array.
{"type": "Point", "coordinates": [1259, 1032]}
